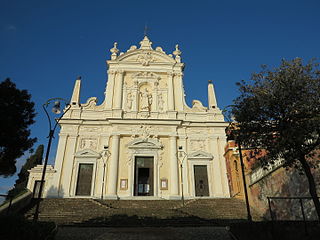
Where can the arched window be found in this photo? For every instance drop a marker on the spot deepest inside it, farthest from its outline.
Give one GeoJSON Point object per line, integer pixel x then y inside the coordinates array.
{"type": "Point", "coordinates": [235, 165]}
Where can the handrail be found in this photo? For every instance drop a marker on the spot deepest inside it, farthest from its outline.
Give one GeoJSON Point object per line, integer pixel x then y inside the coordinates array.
{"type": "Point", "coordinates": [288, 198]}
{"type": "Point", "coordinates": [10, 201]}
{"type": "Point", "coordinates": [14, 202]}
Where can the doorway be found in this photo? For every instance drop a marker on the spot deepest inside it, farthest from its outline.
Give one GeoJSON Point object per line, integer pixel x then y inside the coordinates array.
{"type": "Point", "coordinates": [201, 181]}
{"type": "Point", "coordinates": [143, 176]}
{"type": "Point", "coordinates": [84, 179]}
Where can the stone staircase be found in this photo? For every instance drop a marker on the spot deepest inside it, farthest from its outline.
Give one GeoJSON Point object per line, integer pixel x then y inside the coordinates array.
{"type": "Point", "coordinates": [89, 212]}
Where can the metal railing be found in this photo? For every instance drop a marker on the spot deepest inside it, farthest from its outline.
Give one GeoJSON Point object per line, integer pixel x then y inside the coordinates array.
{"type": "Point", "coordinates": [272, 212]}
{"type": "Point", "coordinates": [10, 201]}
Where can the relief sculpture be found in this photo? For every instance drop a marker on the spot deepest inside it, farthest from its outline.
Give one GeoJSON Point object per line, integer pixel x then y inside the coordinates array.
{"type": "Point", "coordinates": [88, 143]}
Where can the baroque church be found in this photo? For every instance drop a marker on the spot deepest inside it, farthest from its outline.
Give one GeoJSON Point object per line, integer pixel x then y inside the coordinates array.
{"type": "Point", "coordinates": [143, 141]}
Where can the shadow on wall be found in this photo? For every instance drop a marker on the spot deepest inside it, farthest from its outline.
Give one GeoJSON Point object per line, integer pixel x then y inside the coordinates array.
{"type": "Point", "coordinates": [54, 192]}
{"type": "Point", "coordinates": [284, 183]}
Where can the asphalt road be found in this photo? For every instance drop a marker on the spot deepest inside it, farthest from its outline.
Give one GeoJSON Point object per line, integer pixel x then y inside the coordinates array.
{"type": "Point", "coordinates": [142, 233]}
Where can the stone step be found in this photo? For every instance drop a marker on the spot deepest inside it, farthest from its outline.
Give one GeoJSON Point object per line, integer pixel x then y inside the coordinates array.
{"type": "Point", "coordinates": [141, 212]}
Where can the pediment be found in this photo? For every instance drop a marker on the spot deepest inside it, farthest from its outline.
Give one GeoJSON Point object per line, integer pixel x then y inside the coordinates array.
{"type": "Point", "coordinates": [145, 57]}
{"type": "Point", "coordinates": [87, 153]}
{"type": "Point", "coordinates": [148, 143]}
{"type": "Point", "coordinates": [200, 155]}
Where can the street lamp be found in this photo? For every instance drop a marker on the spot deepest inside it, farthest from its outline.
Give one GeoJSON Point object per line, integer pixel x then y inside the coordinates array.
{"type": "Point", "coordinates": [230, 133]}
{"type": "Point", "coordinates": [182, 156]}
{"type": "Point", "coordinates": [105, 154]}
{"type": "Point", "coordinates": [56, 110]}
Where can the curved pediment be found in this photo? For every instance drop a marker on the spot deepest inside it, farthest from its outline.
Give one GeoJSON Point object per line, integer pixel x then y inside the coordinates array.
{"type": "Point", "coordinates": [145, 57]}
{"type": "Point", "coordinates": [87, 153]}
{"type": "Point", "coordinates": [200, 155]}
{"type": "Point", "coordinates": [141, 143]}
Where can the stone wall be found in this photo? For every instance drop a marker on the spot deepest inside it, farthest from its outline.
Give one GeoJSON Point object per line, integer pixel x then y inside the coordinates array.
{"type": "Point", "coordinates": [284, 183]}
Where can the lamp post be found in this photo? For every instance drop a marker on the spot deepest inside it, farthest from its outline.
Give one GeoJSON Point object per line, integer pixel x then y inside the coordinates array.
{"type": "Point", "coordinates": [105, 154]}
{"type": "Point", "coordinates": [244, 181]}
{"type": "Point", "coordinates": [230, 134]}
{"type": "Point", "coordinates": [182, 156]}
{"type": "Point", "coordinates": [56, 110]}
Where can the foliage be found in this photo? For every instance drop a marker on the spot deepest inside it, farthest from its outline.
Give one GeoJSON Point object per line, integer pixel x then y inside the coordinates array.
{"type": "Point", "coordinates": [279, 111]}
{"type": "Point", "coordinates": [21, 182]}
{"type": "Point", "coordinates": [17, 114]}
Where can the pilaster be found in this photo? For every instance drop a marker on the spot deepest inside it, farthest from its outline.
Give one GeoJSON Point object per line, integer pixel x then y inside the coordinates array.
{"type": "Point", "coordinates": [119, 90]}
{"type": "Point", "coordinates": [109, 89]}
{"type": "Point", "coordinates": [113, 167]}
{"type": "Point", "coordinates": [170, 92]}
{"type": "Point", "coordinates": [68, 166]}
{"type": "Point", "coordinates": [217, 178]}
{"type": "Point", "coordinates": [183, 143]}
{"type": "Point", "coordinates": [174, 178]}
{"type": "Point", "coordinates": [223, 167]}
{"type": "Point", "coordinates": [55, 191]}
{"type": "Point", "coordinates": [178, 93]}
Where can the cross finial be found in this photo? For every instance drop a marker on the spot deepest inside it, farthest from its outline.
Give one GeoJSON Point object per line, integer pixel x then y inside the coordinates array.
{"type": "Point", "coordinates": [145, 30]}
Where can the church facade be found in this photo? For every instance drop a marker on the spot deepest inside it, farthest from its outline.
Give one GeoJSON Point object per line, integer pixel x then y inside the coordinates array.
{"type": "Point", "coordinates": [143, 141]}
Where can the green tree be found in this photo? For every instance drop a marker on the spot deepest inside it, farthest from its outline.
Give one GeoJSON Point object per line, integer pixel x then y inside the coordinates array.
{"type": "Point", "coordinates": [17, 114]}
{"type": "Point", "coordinates": [32, 161]}
{"type": "Point", "coordinates": [279, 110]}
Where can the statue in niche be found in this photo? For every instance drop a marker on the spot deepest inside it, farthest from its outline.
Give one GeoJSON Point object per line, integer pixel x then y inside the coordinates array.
{"type": "Point", "coordinates": [129, 101]}
{"type": "Point", "coordinates": [145, 100]}
{"type": "Point", "coordinates": [160, 102]}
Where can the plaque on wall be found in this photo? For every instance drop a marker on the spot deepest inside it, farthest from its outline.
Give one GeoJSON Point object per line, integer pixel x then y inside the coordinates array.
{"type": "Point", "coordinates": [164, 184]}
{"type": "Point", "coordinates": [123, 184]}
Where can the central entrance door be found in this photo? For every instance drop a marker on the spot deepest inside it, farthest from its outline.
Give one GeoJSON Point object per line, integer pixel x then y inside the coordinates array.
{"type": "Point", "coordinates": [84, 179]}
{"type": "Point", "coordinates": [143, 176]}
{"type": "Point", "coordinates": [201, 180]}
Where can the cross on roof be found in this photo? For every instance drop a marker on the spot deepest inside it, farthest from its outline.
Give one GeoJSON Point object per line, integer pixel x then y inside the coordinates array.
{"type": "Point", "coordinates": [145, 30]}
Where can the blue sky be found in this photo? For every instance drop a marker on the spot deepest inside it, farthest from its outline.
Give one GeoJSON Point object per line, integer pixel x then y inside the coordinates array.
{"type": "Point", "coordinates": [45, 45]}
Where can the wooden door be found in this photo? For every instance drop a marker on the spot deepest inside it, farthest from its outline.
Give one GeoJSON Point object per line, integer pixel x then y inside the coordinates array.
{"type": "Point", "coordinates": [84, 179]}
{"type": "Point", "coordinates": [201, 180]}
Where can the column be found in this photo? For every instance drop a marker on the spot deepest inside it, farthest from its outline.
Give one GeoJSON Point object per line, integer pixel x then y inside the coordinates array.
{"type": "Point", "coordinates": [118, 92]}
{"type": "Point", "coordinates": [170, 92]}
{"type": "Point", "coordinates": [112, 178]}
{"type": "Point", "coordinates": [109, 89]}
{"type": "Point", "coordinates": [174, 178]}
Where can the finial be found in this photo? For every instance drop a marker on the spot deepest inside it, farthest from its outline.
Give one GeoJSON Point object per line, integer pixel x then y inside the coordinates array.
{"type": "Point", "coordinates": [114, 51]}
{"type": "Point", "coordinates": [209, 81]}
{"type": "Point", "coordinates": [79, 78]}
{"type": "Point", "coordinates": [146, 43]}
{"type": "Point", "coordinates": [177, 53]}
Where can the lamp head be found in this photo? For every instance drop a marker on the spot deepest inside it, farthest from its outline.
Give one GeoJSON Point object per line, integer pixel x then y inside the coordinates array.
{"type": "Point", "coordinates": [56, 107]}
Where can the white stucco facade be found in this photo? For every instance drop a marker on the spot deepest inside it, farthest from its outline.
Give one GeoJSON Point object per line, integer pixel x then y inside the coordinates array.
{"type": "Point", "coordinates": [143, 141]}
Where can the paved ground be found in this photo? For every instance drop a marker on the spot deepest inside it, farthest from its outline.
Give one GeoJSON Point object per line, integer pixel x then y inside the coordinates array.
{"type": "Point", "coordinates": [142, 233]}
